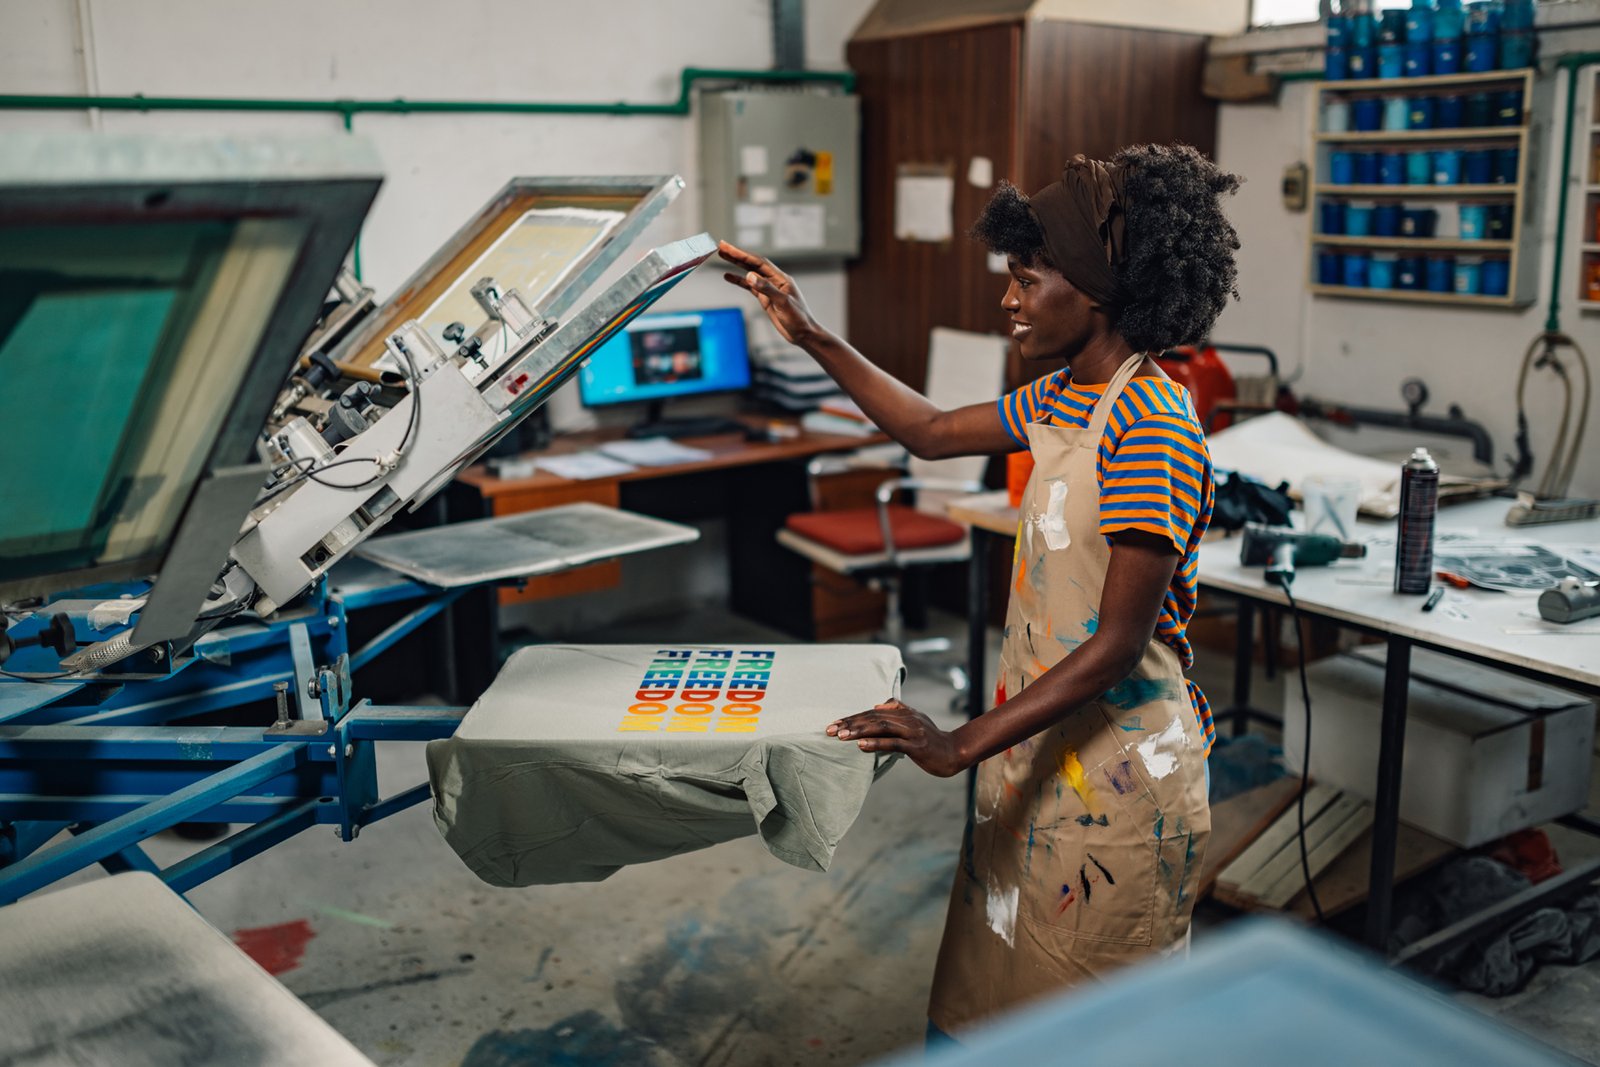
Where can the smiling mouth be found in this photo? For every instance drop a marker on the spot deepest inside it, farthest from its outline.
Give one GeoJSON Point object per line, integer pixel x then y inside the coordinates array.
{"type": "Point", "coordinates": [1019, 330]}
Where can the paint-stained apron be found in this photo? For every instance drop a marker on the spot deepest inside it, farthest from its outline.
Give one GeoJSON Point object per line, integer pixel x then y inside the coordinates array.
{"type": "Point", "coordinates": [1084, 845]}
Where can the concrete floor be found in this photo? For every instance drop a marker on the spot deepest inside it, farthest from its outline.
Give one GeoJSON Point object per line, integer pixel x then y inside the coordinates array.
{"type": "Point", "coordinates": [721, 957]}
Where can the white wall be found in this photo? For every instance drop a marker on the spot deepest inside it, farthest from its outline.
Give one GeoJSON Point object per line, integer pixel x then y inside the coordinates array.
{"type": "Point", "coordinates": [440, 168]}
{"type": "Point", "coordinates": [1358, 351]}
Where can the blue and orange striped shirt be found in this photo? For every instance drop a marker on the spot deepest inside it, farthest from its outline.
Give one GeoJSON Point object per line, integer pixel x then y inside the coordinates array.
{"type": "Point", "coordinates": [1155, 476]}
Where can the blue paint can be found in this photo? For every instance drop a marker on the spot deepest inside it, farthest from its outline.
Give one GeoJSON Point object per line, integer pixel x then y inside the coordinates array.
{"type": "Point", "coordinates": [1449, 113]}
{"type": "Point", "coordinates": [1392, 27]}
{"type": "Point", "coordinates": [1482, 18]}
{"type": "Point", "coordinates": [1474, 222]}
{"type": "Point", "coordinates": [1479, 110]}
{"type": "Point", "coordinates": [1336, 64]}
{"type": "Point", "coordinates": [1421, 112]}
{"type": "Point", "coordinates": [1517, 50]}
{"type": "Point", "coordinates": [1342, 168]}
{"type": "Point", "coordinates": [1441, 274]}
{"type": "Point", "coordinates": [1505, 165]}
{"type": "Point", "coordinates": [1447, 56]}
{"type": "Point", "coordinates": [1419, 168]}
{"type": "Point", "coordinates": [1330, 269]}
{"type": "Point", "coordinates": [1411, 272]}
{"type": "Point", "coordinates": [1469, 275]}
{"type": "Point", "coordinates": [1366, 114]}
{"type": "Point", "coordinates": [1338, 30]}
{"type": "Point", "coordinates": [1396, 113]}
{"type": "Point", "coordinates": [1500, 219]}
{"type": "Point", "coordinates": [1448, 20]}
{"type": "Point", "coordinates": [1507, 108]}
{"type": "Point", "coordinates": [1361, 61]}
{"type": "Point", "coordinates": [1366, 168]}
{"type": "Point", "coordinates": [1355, 269]}
{"type": "Point", "coordinates": [1391, 60]}
{"type": "Point", "coordinates": [1419, 22]}
{"type": "Point", "coordinates": [1361, 30]}
{"type": "Point", "coordinates": [1386, 220]}
{"type": "Point", "coordinates": [1447, 167]}
{"type": "Point", "coordinates": [1483, 52]}
{"type": "Point", "coordinates": [1392, 168]}
{"type": "Point", "coordinates": [1418, 60]}
{"type": "Point", "coordinates": [1516, 16]}
{"type": "Point", "coordinates": [1358, 219]}
{"type": "Point", "coordinates": [1332, 212]}
{"type": "Point", "coordinates": [1418, 221]}
{"type": "Point", "coordinates": [1496, 277]}
{"type": "Point", "coordinates": [1382, 269]}
{"type": "Point", "coordinates": [1336, 117]}
{"type": "Point", "coordinates": [1477, 166]}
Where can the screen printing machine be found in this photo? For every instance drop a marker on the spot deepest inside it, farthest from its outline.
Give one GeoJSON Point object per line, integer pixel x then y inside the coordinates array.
{"type": "Point", "coordinates": [200, 442]}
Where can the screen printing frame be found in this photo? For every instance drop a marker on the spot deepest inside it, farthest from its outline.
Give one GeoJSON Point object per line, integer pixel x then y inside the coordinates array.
{"type": "Point", "coordinates": [640, 199]}
{"type": "Point", "coordinates": [720, 390]}
{"type": "Point", "coordinates": [326, 185]}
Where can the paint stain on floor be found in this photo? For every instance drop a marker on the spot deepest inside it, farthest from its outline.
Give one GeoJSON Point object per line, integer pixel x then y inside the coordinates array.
{"type": "Point", "coordinates": [587, 1039]}
{"type": "Point", "coordinates": [278, 949]}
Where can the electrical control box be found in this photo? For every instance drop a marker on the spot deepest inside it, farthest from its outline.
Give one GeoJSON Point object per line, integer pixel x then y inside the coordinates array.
{"type": "Point", "coordinates": [780, 172]}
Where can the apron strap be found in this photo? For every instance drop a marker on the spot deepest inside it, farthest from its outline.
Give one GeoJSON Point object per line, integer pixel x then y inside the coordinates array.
{"type": "Point", "coordinates": [1108, 399]}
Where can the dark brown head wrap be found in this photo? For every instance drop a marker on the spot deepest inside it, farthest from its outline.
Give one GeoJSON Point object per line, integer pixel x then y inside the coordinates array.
{"type": "Point", "coordinates": [1084, 219]}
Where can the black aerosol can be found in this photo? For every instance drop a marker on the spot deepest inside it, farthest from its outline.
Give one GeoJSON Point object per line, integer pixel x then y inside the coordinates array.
{"type": "Point", "coordinates": [1419, 505]}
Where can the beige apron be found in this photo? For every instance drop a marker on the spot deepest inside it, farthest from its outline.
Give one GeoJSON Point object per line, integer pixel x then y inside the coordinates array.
{"type": "Point", "coordinates": [1084, 846]}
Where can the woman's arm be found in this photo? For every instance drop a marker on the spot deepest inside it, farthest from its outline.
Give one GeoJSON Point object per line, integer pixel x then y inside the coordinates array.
{"type": "Point", "coordinates": [1137, 578]}
{"type": "Point", "coordinates": [924, 429]}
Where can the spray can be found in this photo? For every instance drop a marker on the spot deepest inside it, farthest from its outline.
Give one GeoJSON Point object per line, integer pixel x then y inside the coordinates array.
{"type": "Point", "coordinates": [1419, 505]}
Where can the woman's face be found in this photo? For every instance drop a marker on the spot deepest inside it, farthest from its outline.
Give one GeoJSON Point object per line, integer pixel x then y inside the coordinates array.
{"type": "Point", "coordinates": [1050, 317]}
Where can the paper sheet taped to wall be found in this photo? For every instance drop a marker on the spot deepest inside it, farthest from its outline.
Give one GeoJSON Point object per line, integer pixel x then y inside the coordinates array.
{"type": "Point", "coordinates": [924, 202]}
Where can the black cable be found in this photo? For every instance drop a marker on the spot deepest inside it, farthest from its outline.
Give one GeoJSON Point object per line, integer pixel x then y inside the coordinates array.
{"type": "Point", "coordinates": [310, 473]}
{"type": "Point", "coordinates": [1305, 760]}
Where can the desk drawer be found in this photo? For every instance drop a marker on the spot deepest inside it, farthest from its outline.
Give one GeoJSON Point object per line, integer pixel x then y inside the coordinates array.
{"type": "Point", "coordinates": [588, 579]}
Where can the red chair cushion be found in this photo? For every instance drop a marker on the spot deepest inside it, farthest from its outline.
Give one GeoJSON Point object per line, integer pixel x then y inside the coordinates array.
{"type": "Point", "coordinates": [855, 531]}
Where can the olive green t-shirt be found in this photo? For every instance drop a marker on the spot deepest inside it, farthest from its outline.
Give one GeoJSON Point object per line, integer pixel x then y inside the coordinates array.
{"type": "Point", "coordinates": [579, 760]}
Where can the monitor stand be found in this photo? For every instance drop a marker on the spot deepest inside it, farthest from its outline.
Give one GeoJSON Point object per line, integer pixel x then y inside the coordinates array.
{"type": "Point", "coordinates": [654, 424]}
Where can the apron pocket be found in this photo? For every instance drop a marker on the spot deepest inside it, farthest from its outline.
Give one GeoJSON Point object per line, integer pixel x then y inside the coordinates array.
{"type": "Point", "coordinates": [1104, 890]}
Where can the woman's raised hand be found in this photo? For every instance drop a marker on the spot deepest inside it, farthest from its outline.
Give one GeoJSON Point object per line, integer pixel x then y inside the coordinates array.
{"type": "Point", "coordinates": [778, 294]}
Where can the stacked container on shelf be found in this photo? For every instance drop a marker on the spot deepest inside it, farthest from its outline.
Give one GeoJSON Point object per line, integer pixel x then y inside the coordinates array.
{"type": "Point", "coordinates": [1432, 37]}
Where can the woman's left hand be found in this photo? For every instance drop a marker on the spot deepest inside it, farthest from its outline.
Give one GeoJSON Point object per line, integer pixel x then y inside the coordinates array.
{"type": "Point", "coordinates": [894, 727]}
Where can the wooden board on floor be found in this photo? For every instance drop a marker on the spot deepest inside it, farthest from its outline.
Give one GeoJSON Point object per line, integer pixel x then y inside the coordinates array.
{"type": "Point", "coordinates": [1344, 884]}
{"type": "Point", "coordinates": [1239, 820]}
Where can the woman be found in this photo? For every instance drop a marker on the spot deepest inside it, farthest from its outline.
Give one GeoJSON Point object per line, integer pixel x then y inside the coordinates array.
{"type": "Point", "coordinates": [1091, 812]}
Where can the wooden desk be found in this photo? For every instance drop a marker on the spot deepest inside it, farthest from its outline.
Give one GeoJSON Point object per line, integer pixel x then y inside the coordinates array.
{"type": "Point", "coordinates": [758, 504]}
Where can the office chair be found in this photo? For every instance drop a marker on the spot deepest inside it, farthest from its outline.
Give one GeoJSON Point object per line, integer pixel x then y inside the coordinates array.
{"type": "Point", "coordinates": [878, 545]}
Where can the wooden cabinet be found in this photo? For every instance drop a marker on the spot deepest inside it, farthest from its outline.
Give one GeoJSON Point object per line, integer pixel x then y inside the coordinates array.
{"type": "Point", "coordinates": [1025, 95]}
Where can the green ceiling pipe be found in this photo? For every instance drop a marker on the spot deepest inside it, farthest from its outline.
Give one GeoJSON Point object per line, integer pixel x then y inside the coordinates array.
{"type": "Point", "coordinates": [400, 105]}
{"type": "Point", "coordinates": [347, 109]}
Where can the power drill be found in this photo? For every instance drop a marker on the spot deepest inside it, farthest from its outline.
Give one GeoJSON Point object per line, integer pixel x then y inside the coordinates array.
{"type": "Point", "coordinates": [1279, 549]}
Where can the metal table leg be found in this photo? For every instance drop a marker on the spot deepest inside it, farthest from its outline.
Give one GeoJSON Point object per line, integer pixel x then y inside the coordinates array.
{"type": "Point", "coordinates": [977, 622]}
{"type": "Point", "coordinates": [1386, 807]}
{"type": "Point", "coordinates": [1243, 664]}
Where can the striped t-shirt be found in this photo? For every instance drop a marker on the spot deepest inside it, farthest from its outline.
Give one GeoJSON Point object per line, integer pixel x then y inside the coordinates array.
{"type": "Point", "coordinates": [1155, 476]}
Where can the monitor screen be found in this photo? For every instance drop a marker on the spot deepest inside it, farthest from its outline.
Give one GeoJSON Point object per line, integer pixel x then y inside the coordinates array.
{"type": "Point", "coordinates": [669, 354]}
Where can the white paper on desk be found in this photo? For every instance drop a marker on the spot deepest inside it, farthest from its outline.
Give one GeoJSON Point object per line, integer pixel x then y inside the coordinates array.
{"type": "Point", "coordinates": [1275, 448]}
{"type": "Point", "coordinates": [580, 465]}
{"type": "Point", "coordinates": [654, 452]}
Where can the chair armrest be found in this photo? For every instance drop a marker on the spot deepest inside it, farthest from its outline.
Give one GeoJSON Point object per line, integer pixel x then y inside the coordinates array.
{"type": "Point", "coordinates": [841, 463]}
{"type": "Point", "coordinates": [887, 490]}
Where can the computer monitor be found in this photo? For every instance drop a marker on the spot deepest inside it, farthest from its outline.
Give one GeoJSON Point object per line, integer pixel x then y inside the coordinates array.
{"type": "Point", "coordinates": [665, 355]}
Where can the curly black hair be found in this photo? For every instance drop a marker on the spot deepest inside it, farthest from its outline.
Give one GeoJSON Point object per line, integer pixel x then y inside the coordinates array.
{"type": "Point", "coordinates": [1178, 272]}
